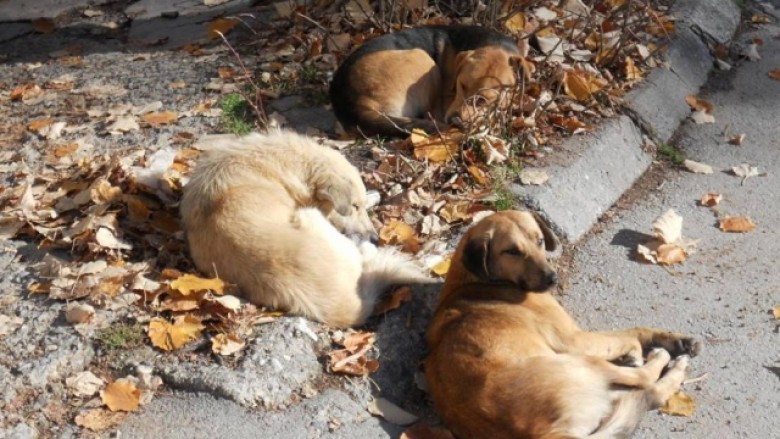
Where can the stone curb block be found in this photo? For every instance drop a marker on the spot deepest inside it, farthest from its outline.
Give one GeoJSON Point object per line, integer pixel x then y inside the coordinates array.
{"type": "Point", "coordinates": [577, 194]}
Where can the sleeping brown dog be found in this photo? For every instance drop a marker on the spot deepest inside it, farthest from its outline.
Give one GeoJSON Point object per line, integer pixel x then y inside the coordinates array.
{"type": "Point", "coordinates": [408, 79]}
{"type": "Point", "coordinates": [506, 360]}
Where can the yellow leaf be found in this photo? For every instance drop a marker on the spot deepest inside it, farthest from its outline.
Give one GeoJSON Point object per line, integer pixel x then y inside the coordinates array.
{"type": "Point", "coordinates": [168, 336]}
{"type": "Point", "coordinates": [442, 268]}
{"type": "Point", "coordinates": [227, 344]}
{"type": "Point", "coordinates": [711, 199]}
{"type": "Point", "coordinates": [221, 26]}
{"type": "Point", "coordinates": [631, 70]}
{"type": "Point", "coordinates": [515, 23]}
{"type": "Point", "coordinates": [396, 232]}
{"type": "Point", "coordinates": [99, 419]}
{"type": "Point", "coordinates": [103, 192]}
{"type": "Point", "coordinates": [160, 118]}
{"type": "Point", "coordinates": [436, 148]}
{"type": "Point", "coordinates": [581, 85]}
{"type": "Point", "coordinates": [776, 312]}
{"type": "Point", "coordinates": [679, 404]}
{"type": "Point", "coordinates": [479, 175]}
{"type": "Point", "coordinates": [190, 283]}
{"type": "Point", "coordinates": [737, 224]}
{"type": "Point", "coordinates": [121, 396]}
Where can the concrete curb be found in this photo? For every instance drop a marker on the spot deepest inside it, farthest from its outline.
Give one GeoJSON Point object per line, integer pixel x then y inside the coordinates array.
{"type": "Point", "coordinates": [609, 162]}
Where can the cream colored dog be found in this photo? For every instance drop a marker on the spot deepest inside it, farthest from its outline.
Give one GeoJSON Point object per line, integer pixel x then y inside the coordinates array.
{"type": "Point", "coordinates": [269, 213]}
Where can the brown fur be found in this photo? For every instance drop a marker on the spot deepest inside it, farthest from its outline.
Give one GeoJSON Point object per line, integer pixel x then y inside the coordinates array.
{"type": "Point", "coordinates": [421, 78]}
{"type": "Point", "coordinates": [507, 361]}
{"type": "Point", "coordinates": [269, 213]}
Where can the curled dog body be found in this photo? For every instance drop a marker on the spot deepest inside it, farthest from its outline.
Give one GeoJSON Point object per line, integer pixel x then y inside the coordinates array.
{"type": "Point", "coordinates": [507, 361]}
{"type": "Point", "coordinates": [272, 213]}
{"type": "Point", "coordinates": [422, 76]}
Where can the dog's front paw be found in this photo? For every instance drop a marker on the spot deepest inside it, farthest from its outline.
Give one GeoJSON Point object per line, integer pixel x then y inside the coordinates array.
{"type": "Point", "coordinates": [629, 360]}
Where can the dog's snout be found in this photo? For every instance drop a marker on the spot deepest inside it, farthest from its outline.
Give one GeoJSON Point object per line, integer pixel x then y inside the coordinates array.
{"type": "Point", "coordinates": [551, 278]}
{"type": "Point", "coordinates": [373, 238]}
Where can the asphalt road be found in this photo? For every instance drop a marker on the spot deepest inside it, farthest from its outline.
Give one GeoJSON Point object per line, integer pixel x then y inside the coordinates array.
{"type": "Point", "coordinates": [725, 292]}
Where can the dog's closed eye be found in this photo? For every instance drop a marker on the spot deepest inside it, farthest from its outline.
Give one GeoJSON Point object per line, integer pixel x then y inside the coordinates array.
{"type": "Point", "coordinates": [513, 252]}
{"type": "Point", "coordinates": [540, 242]}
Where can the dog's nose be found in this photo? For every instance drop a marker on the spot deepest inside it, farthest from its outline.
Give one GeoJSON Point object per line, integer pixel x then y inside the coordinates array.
{"type": "Point", "coordinates": [551, 278]}
{"type": "Point", "coordinates": [373, 238]}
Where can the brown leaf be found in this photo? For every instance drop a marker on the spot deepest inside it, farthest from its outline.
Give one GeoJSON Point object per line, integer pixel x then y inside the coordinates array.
{"type": "Point", "coordinates": [737, 224]}
{"type": "Point", "coordinates": [581, 85]}
{"type": "Point", "coordinates": [189, 283]}
{"type": "Point", "coordinates": [99, 419]}
{"type": "Point", "coordinates": [710, 200]}
{"type": "Point", "coordinates": [121, 397]}
{"type": "Point", "coordinates": [424, 431]}
{"type": "Point", "coordinates": [169, 336]}
{"type": "Point", "coordinates": [221, 26]}
{"type": "Point", "coordinates": [737, 140]}
{"type": "Point", "coordinates": [679, 404]}
{"type": "Point", "coordinates": [631, 71]}
{"type": "Point", "coordinates": [455, 211]}
{"type": "Point", "coordinates": [774, 74]}
{"type": "Point", "coordinates": [393, 300]}
{"type": "Point", "coordinates": [39, 124]}
{"type": "Point", "coordinates": [480, 177]}
{"type": "Point", "coordinates": [43, 25]}
{"type": "Point", "coordinates": [156, 119]}
{"type": "Point", "coordinates": [699, 104]}
{"type": "Point", "coordinates": [25, 92]}
{"type": "Point", "coordinates": [65, 150]}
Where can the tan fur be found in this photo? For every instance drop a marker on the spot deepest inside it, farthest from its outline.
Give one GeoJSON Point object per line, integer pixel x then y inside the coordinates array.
{"type": "Point", "coordinates": [507, 361]}
{"type": "Point", "coordinates": [394, 84]}
{"type": "Point", "coordinates": [268, 212]}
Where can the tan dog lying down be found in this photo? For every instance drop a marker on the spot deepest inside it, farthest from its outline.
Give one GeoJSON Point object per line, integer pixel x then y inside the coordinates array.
{"type": "Point", "coordinates": [506, 361]}
{"type": "Point", "coordinates": [267, 212]}
{"type": "Point", "coordinates": [408, 79]}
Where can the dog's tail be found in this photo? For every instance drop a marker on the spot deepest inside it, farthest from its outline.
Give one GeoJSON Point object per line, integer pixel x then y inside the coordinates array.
{"type": "Point", "coordinates": [385, 266]}
{"type": "Point", "coordinates": [628, 412]}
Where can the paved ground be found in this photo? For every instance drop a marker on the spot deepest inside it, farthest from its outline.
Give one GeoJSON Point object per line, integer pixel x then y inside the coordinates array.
{"type": "Point", "coordinates": [722, 294]}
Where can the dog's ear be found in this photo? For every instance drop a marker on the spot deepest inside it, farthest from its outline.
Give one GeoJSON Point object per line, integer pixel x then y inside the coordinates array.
{"type": "Point", "coordinates": [551, 242]}
{"type": "Point", "coordinates": [339, 194]}
{"type": "Point", "coordinates": [475, 256]}
{"type": "Point", "coordinates": [516, 60]}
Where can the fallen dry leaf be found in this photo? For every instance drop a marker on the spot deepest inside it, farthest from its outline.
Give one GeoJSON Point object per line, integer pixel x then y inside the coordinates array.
{"type": "Point", "coordinates": [750, 51]}
{"type": "Point", "coordinates": [679, 404]}
{"type": "Point", "coordinates": [697, 168]}
{"type": "Point", "coordinates": [221, 26]}
{"type": "Point", "coordinates": [43, 25]}
{"type": "Point", "coordinates": [581, 85]}
{"type": "Point", "coordinates": [533, 177]}
{"type": "Point", "coordinates": [669, 254]}
{"type": "Point", "coordinates": [390, 412]}
{"type": "Point", "coordinates": [774, 74]}
{"type": "Point", "coordinates": [121, 397]}
{"type": "Point", "coordinates": [736, 224]}
{"type": "Point", "coordinates": [352, 360]}
{"type": "Point", "coordinates": [227, 344]}
{"type": "Point", "coordinates": [698, 104]}
{"type": "Point", "coordinates": [776, 312]}
{"type": "Point", "coordinates": [170, 336]}
{"type": "Point", "coordinates": [189, 283]}
{"type": "Point", "coordinates": [396, 232]}
{"type": "Point", "coordinates": [156, 119]}
{"type": "Point", "coordinates": [79, 312]}
{"type": "Point", "coordinates": [443, 267]}
{"type": "Point", "coordinates": [668, 227]}
{"type": "Point", "coordinates": [702, 117]}
{"type": "Point", "coordinates": [745, 171]}
{"type": "Point", "coordinates": [436, 148]}
{"type": "Point", "coordinates": [631, 71]}
{"type": "Point", "coordinates": [393, 300]}
{"type": "Point", "coordinates": [737, 140]}
{"type": "Point", "coordinates": [710, 200]}
{"type": "Point", "coordinates": [455, 211]}
{"type": "Point", "coordinates": [84, 384]}
{"type": "Point", "coordinates": [99, 419]}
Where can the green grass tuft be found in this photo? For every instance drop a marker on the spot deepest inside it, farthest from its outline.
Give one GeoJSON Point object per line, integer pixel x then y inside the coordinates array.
{"type": "Point", "coordinates": [236, 113]}
{"type": "Point", "coordinates": [671, 154]}
{"type": "Point", "coordinates": [121, 336]}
